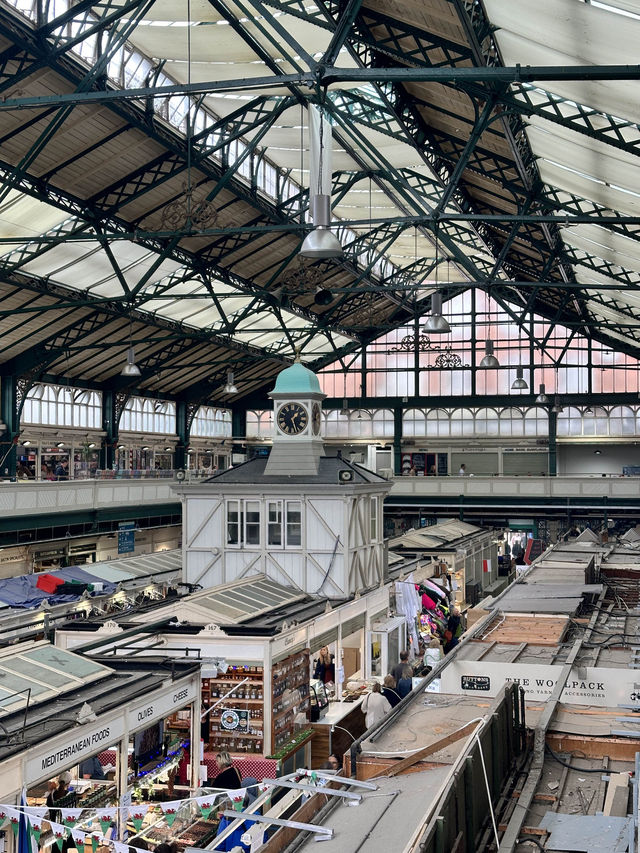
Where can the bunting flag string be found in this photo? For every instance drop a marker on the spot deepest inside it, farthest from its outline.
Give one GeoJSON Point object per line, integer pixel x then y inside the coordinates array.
{"type": "Point", "coordinates": [107, 816]}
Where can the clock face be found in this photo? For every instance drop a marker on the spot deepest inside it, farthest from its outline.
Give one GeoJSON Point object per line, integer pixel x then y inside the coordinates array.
{"type": "Point", "coordinates": [316, 418]}
{"type": "Point", "coordinates": [292, 419]}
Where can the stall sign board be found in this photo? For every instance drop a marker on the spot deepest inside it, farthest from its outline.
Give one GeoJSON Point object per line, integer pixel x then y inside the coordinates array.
{"type": "Point", "coordinates": [126, 537]}
{"type": "Point", "coordinates": [235, 720]}
{"type": "Point", "coordinates": [475, 682]}
{"type": "Point", "coordinates": [49, 760]}
{"type": "Point", "coordinates": [148, 712]}
{"type": "Point", "coordinates": [601, 687]}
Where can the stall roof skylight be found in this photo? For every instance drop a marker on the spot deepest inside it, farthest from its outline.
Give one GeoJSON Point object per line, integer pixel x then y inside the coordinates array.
{"type": "Point", "coordinates": [34, 673]}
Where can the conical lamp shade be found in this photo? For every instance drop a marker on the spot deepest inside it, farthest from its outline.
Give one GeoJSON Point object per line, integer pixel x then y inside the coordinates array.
{"type": "Point", "coordinates": [489, 359]}
{"type": "Point", "coordinates": [130, 369]}
{"type": "Point", "coordinates": [230, 387]}
{"type": "Point", "coordinates": [436, 324]}
{"type": "Point", "coordinates": [542, 399]}
{"type": "Point", "coordinates": [519, 383]}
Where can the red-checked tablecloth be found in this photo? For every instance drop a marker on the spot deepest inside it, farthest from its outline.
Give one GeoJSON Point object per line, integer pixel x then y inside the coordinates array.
{"type": "Point", "coordinates": [250, 766]}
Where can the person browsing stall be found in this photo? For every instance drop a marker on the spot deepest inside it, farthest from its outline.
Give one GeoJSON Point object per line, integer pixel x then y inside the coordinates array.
{"type": "Point", "coordinates": [228, 776]}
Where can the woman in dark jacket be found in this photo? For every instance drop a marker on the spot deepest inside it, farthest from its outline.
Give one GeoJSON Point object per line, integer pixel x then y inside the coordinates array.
{"type": "Point", "coordinates": [389, 691]}
{"type": "Point", "coordinates": [405, 682]}
{"type": "Point", "coordinates": [229, 776]}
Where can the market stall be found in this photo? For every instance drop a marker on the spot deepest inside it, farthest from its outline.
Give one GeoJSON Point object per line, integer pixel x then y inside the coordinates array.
{"type": "Point", "coordinates": [84, 735]}
{"type": "Point", "coordinates": [256, 670]}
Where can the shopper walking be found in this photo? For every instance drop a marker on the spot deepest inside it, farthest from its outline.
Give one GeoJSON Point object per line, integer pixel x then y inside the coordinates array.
{"type": "Point", "coordinates": [396, 672]}
{"type": "Point", "coordinates": [375, 707]}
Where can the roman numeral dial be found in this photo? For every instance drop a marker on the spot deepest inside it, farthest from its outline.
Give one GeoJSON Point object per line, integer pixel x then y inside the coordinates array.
{"type": "Point", "coordinates": [293, 418]}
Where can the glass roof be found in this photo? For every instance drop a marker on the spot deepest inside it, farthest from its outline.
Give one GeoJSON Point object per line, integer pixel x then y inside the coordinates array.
{"type": "Point", "coordinates": [239, 602]}
{"type": "Point", "coordinates": [35, 673]}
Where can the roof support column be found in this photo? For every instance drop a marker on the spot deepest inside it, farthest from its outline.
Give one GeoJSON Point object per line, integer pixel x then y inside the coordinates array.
{"type": "Point", "coordinates": [181, 459]}
{"type": "Point", "coordinates": [238, 428]}
{"type": "Point", "coordinates": [397, 440]}
{"type": "Point", "coordinates": [10, 419]}
{"type": "Point", "coordinates": [110, 427]}
{"type": "Point", "coordinates": [553, 432]}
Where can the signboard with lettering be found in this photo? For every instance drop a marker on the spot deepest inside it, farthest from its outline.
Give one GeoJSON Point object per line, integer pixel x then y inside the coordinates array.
{"type": "Point", "coordinates": [126, 537]}
{"type": "Point", "coordinates": [235, 720]}
{"type": "Point", "coordinates": [80, 743]}
{"type": "Point", "coordinates": [475, 682]}
{"type": "Point", "coordinates": [143, 715]}
{"type": "Point", "coordinates": [601, 687]}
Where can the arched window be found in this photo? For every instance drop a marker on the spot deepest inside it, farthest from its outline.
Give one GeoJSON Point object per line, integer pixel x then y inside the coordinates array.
{"type": "Point", "coordinates": [462, 422]}
{"type": "Point", "coordinates": [414, 422]}
{"type": "Point", "coordinates": [383, 423]}
{"type": "Point", "coordinates": [360, 424]}
{"type": "Point", "coordinates": [142, 414]}
{"type": "Point", "coordinates": [486, 422]}
{"type": "Point", "coordinates": [536, 421]}
{"type": "Point", "coordinates": [438, 423]}
{"type": "Point", "coordinates": [54, 405]}
{"type": "Point", "coordinates": [622, 421]}
{"type": "Point", "coordinates": [511, 422]}
{"type": "Point", "coordinates": [336, 424]}
{"type": "Point", "coordinates": [211, 422]}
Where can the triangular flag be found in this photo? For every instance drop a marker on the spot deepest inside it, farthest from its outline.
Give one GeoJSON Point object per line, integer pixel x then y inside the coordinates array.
{"type": "Point", "coordinates": [237, 798]}
{"type": "Point", "coordinates": [206, 804]}
{"type": "Point", "coordinates": [36, 828]}
{"type": "Point", "coordinates": [137, 815]}
{"type": "Point", "coordinates": [171, 810]}
{"type": "Point", "coordinates": [59, 834]}
{"type": "Point", "coordinates": [95, 842]}
{"type": "Point", "coordinates": [70, 817]}
{"type": "Point", "coordinates": [35, 812]}
{"type": "Point", "coordinates": [105, 817]}
{"type": "Point", "coordinates": [14, 818]}
{"type": "Point", "coordinates": [79, 837]}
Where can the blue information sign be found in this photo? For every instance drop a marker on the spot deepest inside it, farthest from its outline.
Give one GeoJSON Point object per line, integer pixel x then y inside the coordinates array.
{"type": "Point", "coordinates": [126, 537]}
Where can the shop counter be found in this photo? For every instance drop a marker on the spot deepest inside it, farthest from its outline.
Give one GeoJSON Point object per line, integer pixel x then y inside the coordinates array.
{"type": "Point", "coordinates": [340, 725]}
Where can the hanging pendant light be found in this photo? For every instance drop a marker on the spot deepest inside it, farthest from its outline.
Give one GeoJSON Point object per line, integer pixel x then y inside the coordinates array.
{"type": "Point", "coordinates": [489, 359]}
{"type": "Point", "coordinates": [436, 324]}
{"type": "Point", "coordinates": [542, 399]}
{"type": "Point", "coordinates": [230, 387]}
{"type": "Point", "coordinates": [320, 243]}
{"type": "Point", "coordinates": [130, 369]}
{"type": "Point", "coordinates": [519, 383]}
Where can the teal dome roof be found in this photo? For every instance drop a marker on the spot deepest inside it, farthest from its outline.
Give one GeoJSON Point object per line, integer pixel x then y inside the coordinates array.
{"type": "Point", "coordinates": [297, 379]}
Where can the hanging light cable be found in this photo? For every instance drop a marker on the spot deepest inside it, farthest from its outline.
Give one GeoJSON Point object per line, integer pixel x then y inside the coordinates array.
{"type": "Point", "coordinates": [320, 243]}
{"type": "Point", "coordinates": [436, 324]}
{"type": "Point", "coordinates": [519, 383]}
{"type": "Point", "coordinates": [230, 387]}
{"type": "Point", "coordinates": [130, 369]}
{"type": "Point", "coordinates": [489, 360]}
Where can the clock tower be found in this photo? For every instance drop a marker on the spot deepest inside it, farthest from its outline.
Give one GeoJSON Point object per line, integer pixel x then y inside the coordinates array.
{"type": "Point", "coordinates": [297, 419]}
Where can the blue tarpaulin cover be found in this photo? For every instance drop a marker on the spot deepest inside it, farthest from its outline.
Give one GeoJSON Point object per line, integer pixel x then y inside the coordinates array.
{"type": "Point", "coordinates": [21, 591]}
